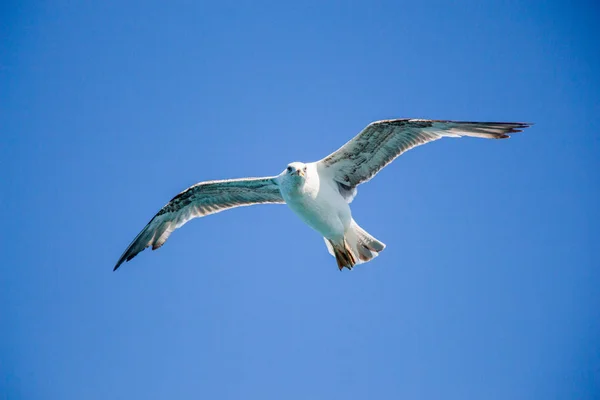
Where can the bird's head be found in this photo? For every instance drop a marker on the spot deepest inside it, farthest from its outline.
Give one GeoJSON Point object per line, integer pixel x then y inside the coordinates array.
{"type": "Point", "coordinates": [296, 170]}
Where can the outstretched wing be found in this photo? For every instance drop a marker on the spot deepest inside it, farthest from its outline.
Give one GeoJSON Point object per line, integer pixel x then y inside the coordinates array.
{"type": "Point", "coordinates": [382, 141]}
{"type": "Point", "coordinates": [202, 199]}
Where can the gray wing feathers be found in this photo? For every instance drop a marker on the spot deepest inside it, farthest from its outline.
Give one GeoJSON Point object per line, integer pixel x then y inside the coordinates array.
{"type": "Point", "coordinates": [197, 201]}
{"type": "Point", "coordinates": [382, 141]}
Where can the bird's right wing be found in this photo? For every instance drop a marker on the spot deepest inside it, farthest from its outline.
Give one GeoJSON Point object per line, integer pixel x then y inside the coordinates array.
{"type": "Point", "coordinates": [382, 141]}
{"type": "Point", "coordinates": [202, 199]}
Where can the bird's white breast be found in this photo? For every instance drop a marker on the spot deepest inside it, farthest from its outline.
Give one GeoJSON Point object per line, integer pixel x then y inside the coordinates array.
{"type": "Point", "coordinates": [318, 203]}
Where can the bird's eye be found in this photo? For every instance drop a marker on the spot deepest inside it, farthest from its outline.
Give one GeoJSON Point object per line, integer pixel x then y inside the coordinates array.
{"type": "Point", "coordinates": [289, 169]}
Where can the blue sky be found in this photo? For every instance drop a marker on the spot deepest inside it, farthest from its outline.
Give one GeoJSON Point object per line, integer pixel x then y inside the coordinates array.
{"type": "Point", "coordinates": [488, 288]}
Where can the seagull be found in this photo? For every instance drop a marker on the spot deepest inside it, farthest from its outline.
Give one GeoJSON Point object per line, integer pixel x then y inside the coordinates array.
{"type": "Point", "coordinates": [319, 192]}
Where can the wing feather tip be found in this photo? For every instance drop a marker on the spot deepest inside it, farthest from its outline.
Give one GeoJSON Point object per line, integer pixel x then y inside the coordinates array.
{"type": "Point", "coordinates": [128, 256]}
{"type": "Point", "coordinates": [121, 261]}
{"type": "Point", "coordinates": [516, 128]}
{"type": "Point", "coordinates": [118, 264]}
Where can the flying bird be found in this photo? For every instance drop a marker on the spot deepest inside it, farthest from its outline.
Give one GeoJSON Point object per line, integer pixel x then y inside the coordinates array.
{"type": "Point", "coordinates": [319, 192]}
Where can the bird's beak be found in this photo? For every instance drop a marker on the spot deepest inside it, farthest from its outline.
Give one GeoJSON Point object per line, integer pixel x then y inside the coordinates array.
{"type": "Point", "coordinates": [300, 172]}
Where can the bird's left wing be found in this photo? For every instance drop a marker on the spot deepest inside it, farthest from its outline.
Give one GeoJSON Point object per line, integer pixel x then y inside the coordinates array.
{"type": "Point", "coordinates": [382, 141]}
{"type": "Point", "coordinates": [202, 199]}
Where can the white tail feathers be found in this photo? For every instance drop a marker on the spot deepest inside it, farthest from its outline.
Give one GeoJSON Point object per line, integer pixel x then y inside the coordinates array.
{"type": "Point", "coordinates": [357, 247]}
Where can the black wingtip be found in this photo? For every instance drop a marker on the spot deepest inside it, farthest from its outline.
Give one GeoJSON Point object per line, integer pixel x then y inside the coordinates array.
{"type": "Point", "coordinates": [121, 261]}
{"type": "Point", "coordinates": [519, 126]}
{"type": "Point", "coordinates": [523, 125]}
{"type": "Point", "coordinates": [128, 256]}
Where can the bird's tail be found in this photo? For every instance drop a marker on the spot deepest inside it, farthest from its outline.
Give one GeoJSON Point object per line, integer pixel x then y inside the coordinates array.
{"type": "Point", "coordinates": [357, 247]}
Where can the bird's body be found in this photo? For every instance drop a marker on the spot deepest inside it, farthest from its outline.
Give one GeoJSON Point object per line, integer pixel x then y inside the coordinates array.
{"type": "Point", "coordinates": [317, 202]}
{"type": "Point", "coordinates": [319, 192]}
{"type": "Point", "coordinates": [315, 197]}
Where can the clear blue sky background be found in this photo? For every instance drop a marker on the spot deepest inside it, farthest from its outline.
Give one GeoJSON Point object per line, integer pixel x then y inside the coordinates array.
{"type": "Point", "coordinates": [488, 288]}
